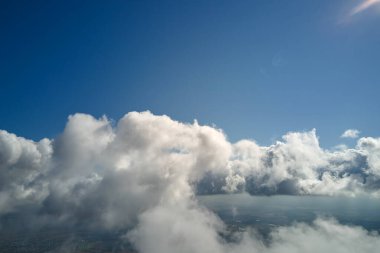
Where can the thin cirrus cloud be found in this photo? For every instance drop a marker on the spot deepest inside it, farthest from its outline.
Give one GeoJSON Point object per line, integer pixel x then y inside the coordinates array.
{"type": "Point", "coordinates": [364, 6]}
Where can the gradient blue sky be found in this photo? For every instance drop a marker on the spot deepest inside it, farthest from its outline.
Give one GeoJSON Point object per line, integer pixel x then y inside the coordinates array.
{"type": "Point", "coordinates": [256, 69]}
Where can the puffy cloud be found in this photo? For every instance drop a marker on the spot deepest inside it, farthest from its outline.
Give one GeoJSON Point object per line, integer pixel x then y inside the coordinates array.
{"type": "Point", "coordinates": [320, 236]}
{"type": "Point", "coordinates": [191, 229]}
{"type": "Point", "coordinates": [350, 133]}
{"type": "Point", "coordinates": [145, 157]}
{"type": "Point", "coordinates": [183, 227]}
{"type": "Point", "coordinates": [22, 163]}
{"type": "Point", "coordinates": [370, 147]}
{"type": "Point", "coordinates": [103, 175]}
{"type": "Point", "coordinates": [143, 174]}
{"type": "Point", "coordinates": [298, 165]}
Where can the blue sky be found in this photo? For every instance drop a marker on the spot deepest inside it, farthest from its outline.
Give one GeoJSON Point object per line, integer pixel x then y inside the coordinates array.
{"type": "Point", "coordinates": [256, 69]}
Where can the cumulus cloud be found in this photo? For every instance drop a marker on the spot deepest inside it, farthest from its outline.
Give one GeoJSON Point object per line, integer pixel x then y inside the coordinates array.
{"type": "Point", "coordinates": [21, 163]}
{"type": "Point", "coordinates": [91, 161]}
{"type": "Point", "coordinates": [351, 133]}
{"type": "Point", "coordinates": [143, 174]}
{"type": "Point", "coordinates": [321, 236]}
{"type": "Point", "coordinates": [194, 230]}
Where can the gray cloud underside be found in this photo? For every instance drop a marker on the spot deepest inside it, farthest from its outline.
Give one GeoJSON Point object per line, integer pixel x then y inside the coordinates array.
{"type": "Point", "coordinates": [143, 174]}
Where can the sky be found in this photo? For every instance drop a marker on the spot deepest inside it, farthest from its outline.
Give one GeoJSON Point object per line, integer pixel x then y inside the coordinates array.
{"type": "Point", "coordinates": [97, 129]}
{"type": "Point", "coordinates": [256, 69]}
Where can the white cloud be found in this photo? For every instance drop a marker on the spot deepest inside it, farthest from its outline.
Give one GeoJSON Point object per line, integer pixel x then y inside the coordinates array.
{"type": "Point", "coordinates": [191, 230]}
{"type": "Point", "coordinates": [145, 172]}
{"type": "Point", "coordinates": [158, 156]}
{"type": "Point", "coordinates": [364, 5]}
{"type": "Point", "coordinates": [323, 235]}
{"type": "Point", "coordinates": [350, 133]}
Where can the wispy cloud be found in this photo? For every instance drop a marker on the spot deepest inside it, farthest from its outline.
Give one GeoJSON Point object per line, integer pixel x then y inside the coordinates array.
{"type": "Point", "coordinates": [364, 5]}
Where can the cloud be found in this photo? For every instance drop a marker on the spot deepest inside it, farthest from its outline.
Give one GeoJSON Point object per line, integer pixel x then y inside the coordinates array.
{"type": "Point", "coordinates": [350, 133]}
{"type": "Point", "coordinates": [158, 157]}
{"type": "Point", "coordinates": [143, 174]}
{"type": "Point", "coordinates": [366, 4]}
{"type": "Point", "coordinates": [321, 236]}
{"type": "Point", "coordinates": [21, 163]}
{"type": "Point", "coordinates": [191, 230]}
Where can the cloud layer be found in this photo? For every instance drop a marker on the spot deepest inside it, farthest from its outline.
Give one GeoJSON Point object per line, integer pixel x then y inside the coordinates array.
{"type": "Point", "coordinates": [143, 173]}
{"type": "Point", "coordinates": [189, 231]}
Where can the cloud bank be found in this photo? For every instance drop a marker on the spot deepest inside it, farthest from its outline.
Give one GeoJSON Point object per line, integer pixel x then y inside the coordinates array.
{"type": "Point", "coordinates": [191, 232]}
{"type": "Point", "coordinates": [143, 174]}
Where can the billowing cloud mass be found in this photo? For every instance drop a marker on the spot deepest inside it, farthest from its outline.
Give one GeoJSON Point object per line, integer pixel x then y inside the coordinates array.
{"type": "Point", "coordinates": [181, 230]}
{"type": "Point", "coordinates": [351, 133]}
{"type": "Point", "coordinates": [143, 174]}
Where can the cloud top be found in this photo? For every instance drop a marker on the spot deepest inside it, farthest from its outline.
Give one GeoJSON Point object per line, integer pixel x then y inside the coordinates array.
{"type": "Point", "coordinates": [148, 158]}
